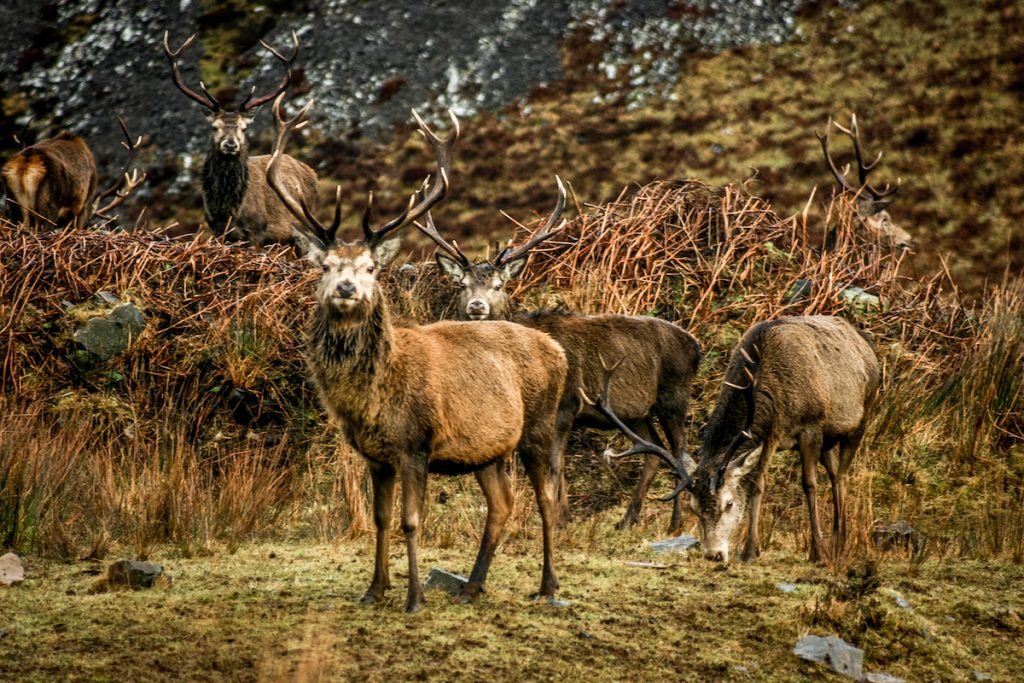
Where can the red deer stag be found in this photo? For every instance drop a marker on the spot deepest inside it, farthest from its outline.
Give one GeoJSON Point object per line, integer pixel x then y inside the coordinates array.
{"type": "Point", "coordinates": [53, 182]}
{"type": "Point", "coordinates": [236, 199]}
{"type": "Point", "coordinates": [449, 398]}
{"type": "Point", "coordinates": [660, 359]}
{"type": "Point", "coordinates": [800, 382]}
{"type": "Point", "coordinates": [872, 203]}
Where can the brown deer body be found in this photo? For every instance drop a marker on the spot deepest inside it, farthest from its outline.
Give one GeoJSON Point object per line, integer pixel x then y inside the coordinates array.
{"type": "Point", "coordinates": [52, 182]}
{"type": "Point", "coordinates": [872, 204]}
{"type": "Point", "coordinates": [449, 397]}
{"type": "Point", "coordinates": [660, 360]}
{"type": "Point", "coordinates": [800, 382]}
{"type": "Point", "coordinates": [237, 201]}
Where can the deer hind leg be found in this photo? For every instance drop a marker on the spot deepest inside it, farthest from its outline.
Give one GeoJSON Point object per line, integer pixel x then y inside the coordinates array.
{"type": "Point", "coordinates": [414, 489]}
{"type": "Point", "coordinates": [645, 430]}
{"type": "Point", "coordinates": [382, 477]}
{"type": "Point", "coordinates": [809, 442]}
{"type": "Point", "coordinates": [563, 428]}
{"type": "Point", "coordinates": [539, 471]}
{"type": "Point", "coordinates": [498, 492]}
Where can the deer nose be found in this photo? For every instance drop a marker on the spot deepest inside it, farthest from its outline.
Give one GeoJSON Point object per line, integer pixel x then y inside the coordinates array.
{"type": "Point", "coordinates": [715, 556]}
{"type": "Point", "coordinates": [346, 289]}
{"type": "Point", "coordinates": [229, 146]}
{"type": "Point", "coordinates": [476, 307]}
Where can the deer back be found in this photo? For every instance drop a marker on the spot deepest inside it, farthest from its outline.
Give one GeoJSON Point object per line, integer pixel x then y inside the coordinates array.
{"type": "Point", "coordinates": [262, 218]}
{"type": "Point", "coordinates": [54, 179]}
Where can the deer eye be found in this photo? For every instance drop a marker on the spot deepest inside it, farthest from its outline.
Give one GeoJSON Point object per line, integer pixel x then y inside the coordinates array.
{"type": "Point", "coordinates": [371, 270]}
{"type": "Point", "coordinates": [728, 506]}
{"type": "Point", "coordinates": [325, 267]}
{"type": "Point", "coordinates": [497, 286]}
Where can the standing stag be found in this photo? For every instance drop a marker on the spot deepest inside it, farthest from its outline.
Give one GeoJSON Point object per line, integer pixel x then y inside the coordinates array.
{"type": "Point", "coordinates": [236, 199]}
{"type": "Point", "coordinates": [659, 358]}
{"type": "Point", "coordinates": [449, 398]}
{"type": "Point", "coordinates": [872, 203]}
{"type": "Point", "coordinates": [53, 182]}
{"type": "Point", "coordinates": [800, 382]}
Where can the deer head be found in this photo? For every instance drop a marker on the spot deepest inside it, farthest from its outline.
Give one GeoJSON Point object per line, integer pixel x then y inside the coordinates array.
{"type": "Point", "coordinates": [229, 126]}
{"type": "Point", "coordinates": [350, 269]}
{"type": "Point", "coordinates": [483, 284]}
{"type": "Point", "coordinates": [872, 203]}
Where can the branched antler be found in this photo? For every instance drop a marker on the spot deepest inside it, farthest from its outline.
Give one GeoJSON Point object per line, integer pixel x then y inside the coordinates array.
{"type": "Point", "coordinates": [428, 228]}
{"type": "Point", "coordinates": [125, 183]}
{"type": "Point", "coordinates": [640, 445]}
{"type": "Point", "coordinates": [863, 170]}
{"type": "Point", "coordinates": [510, 253]}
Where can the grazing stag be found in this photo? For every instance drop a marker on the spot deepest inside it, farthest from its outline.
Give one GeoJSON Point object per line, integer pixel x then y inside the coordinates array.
{"type": "Point", "coordinates": [660, 359]}
{"type": "Point", "coordinates": [53, 182]}
{"type": "Point", "coordinates": [872, 203]}
{"type": "Point", "coordinates": [801, 382]}
{"type": "Point", "coordinates": [236, 199]}
{"type": "Point", "coordinates": [449, 398]}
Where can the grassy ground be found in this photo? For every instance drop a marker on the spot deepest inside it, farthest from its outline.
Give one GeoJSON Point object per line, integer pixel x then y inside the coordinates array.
{"type": "Point", "coordinates": [287, 611]}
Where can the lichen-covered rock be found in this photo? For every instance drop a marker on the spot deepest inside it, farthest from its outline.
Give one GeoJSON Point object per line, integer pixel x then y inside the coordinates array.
{"type": "Point", "coordinates": [446, 581]}
{"type": "Point", "coordinates": [11, 569]}
{"type": "Point", "coordinates": [840, 656]}
{"type": "Point", "coordinates": [108, 336]}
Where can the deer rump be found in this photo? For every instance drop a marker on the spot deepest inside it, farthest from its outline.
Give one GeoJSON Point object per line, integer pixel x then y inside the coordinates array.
{"type": "Point", "coordinates": [809, 371]}
{"type": "Point", "coordinates": [658, 362]}
{"type": "Point", "coordinates": [54, 178]}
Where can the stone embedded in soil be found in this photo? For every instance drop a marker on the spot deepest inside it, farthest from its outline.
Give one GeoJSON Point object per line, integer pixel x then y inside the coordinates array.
{"type": "Point", "coordinates": [108, 335]}
{"type": "Point", "coordinates": [840, 656]}
{"type": "Point", "coordinates": [133, 573]}
{"type": "Point", "coordinates": [786, 587]}
{"type": "Point", "coordinates": [678, 544]}
{"type": "Point", "coordinates": [881, 677]}
{"type": "Point", "coordinates": [980, 676]}
{"type": "Point", "coordinates": [556, 602]}
{"type": "Point", "coordinates": [11, 569]}
{"type": "Point", "coordinates": [108, 298]}
{"type": "Point", "coordinates": [446, 581]}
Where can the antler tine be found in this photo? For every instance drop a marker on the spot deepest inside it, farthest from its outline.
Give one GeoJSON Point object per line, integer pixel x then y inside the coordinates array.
{"type": "Point", "coordinates": [640, 445]}
{"type": "Point", "coordinates": [824, 139]}
{"type": "Point", "coordinates": [308, 223]}
{"type": "Point", "coordinates": [422, 200]}
{"type": "Point", "coordinates": [130, 182]}
{"type": "Point", "coordinates": [131, 147]}
{"type": "Point", "coordinates": [864, 170]}
{"type": "Point", "coordinates": [285, 82]}
{"type": "Point", "coordinates": [430, 230]}
{"type": "Point", "coordinates": [544, 233]}
{"type": "Point", "coordinates": [209, 101]}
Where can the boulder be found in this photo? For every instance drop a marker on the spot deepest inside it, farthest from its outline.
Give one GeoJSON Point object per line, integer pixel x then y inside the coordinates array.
{"type": "Point", "coordinates": [839, 655]}
{"type": "Point", "coordinates": [678, 544]}
{"type": "Point", "coordinates": [108, 335]}
{"type": "Point", "coordinates": [133, 574]}
{"type": "Point", "coordinates": [11, 569]}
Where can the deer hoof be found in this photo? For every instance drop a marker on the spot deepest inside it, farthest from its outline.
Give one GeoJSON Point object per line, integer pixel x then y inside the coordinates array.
{"type": "Point", "coordinates": [468, 594]}
{"type": "Point", "coordinates": [630, 519]}
{"type": "Point", "coordinates": [414, 606]}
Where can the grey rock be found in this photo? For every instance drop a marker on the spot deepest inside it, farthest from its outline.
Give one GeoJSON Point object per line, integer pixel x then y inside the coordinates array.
{"type": "Point", "coordinates": [446, 581]}
{"type": "Point", "coordinates": [860, 299]}
{"type": "Point", "coordinates": [108, 298]}
{"type": "Point", "coordinates": [901, 601]}
{"type": "Point", "coordinates": [786, 587]}
{"type": "Point", "coordinates": [840, 656]}
{"type": "Point", "coordinates": [980, 676]}
{"type": "Point", "coordinates": [556, 602]}
{"type": "Point", "coordinates": [800, 290]}
{"type": "Point", "coordinates": [11, 569]}
{"type": "Point", "coordinates": [133, 573]}
{"type": "Point", "coordinates": [678, 544]}
{"type": "Point", "coordinates": [898, 535]}
{"type": "Point", "coordinates": [108, 335]}
{"type": "Point", "coordinates": [881, 677]}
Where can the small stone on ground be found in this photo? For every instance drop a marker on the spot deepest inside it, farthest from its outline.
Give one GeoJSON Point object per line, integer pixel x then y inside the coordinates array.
{"type": "Point", "coordinates": [678, 544]}
{"type": "Point", "coordinates": [446, 581]}
{"type": "Point", "coordinates": [840, 656]}
{"type": "Point", "coordinates": [133, 574]}
{"type": "Point", "coordinates": [11, 569]}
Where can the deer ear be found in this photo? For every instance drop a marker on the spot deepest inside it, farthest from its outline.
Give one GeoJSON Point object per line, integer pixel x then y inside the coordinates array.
{"type": "Point", "coordinates": [512, 269]}
{"type": "Point", "coordinates": [385, 252]}
{"type": "Point", "coordinates": [742, 464]}
{"type": "Point", "coordinates": [449, 266]}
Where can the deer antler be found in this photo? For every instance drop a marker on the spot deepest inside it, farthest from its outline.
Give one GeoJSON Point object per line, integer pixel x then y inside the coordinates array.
{"type": "Point", "coordinates": [511, 254]}
{"type": "Point", "coordinates": [640, 445]}
{"type": "Point", "coordinates": [425, 198]}
{"type": "Point", "coordinates": [125, 184]}
{"type": "Point", "coordinates": [313, 228]}
{"type": "Point", "coordinates": [285, 82]}
{"type": "Point", "coordinates": [206, 99]}
{"type": "Point", "coordinates": [430, 230]}
{"type": "Point", "coordinates": [863, 170]}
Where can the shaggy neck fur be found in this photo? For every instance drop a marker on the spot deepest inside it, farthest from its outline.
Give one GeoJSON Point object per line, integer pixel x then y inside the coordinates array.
{"type": "Point", "coordinates": [351, 360]}
{"type": "Point", "coordinates": [225, 179]}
